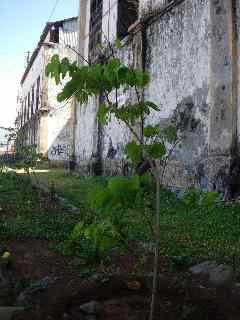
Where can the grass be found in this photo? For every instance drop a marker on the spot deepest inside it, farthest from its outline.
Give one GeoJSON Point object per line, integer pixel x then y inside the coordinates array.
{"type": "Point", "coordinates": [193, 232]}
{"type": "Point", "coordinates": [70, 187]}
{"type": "Point", "coordinates": [26, 214]}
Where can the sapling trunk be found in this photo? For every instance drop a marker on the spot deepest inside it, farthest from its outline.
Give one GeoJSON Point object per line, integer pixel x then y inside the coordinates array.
{"type": "Point", "coordinates": [157, 253]}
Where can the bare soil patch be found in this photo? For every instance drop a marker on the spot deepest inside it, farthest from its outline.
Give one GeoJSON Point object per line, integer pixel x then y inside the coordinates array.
{"type": "Point", "coordinates": [123, 294]}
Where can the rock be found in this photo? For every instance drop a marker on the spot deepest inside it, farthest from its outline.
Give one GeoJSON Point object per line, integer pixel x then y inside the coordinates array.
{"type": "Point", "coordinates": [134, 285]}
{"type": "Point", "coordinates": [219, 275]}
{"type": "Point", "coordinates": [92, 308]}
{"type": "Point", "coordinates": [28, 295]}
{"type": "Point", "coordinates": [7, 313]}
{"type": "Point", "coordinates": [90, 317]}
{"type": "Point", "coordinates": [6, 291]}
{"type": "Point", "coordinates": [222, 275]}
{"type": "Point", "coordinates": [3, 280]}
{"type": "Point", "coordinates": [203, 268]}
{"type": "Point", "coordinates": [74, 314]}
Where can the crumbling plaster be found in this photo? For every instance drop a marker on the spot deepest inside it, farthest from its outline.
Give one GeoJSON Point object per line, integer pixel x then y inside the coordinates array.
{"type": "Point", "coordinates": [191, 50]}
{"type": "Point", "coordinates": [53, 122]}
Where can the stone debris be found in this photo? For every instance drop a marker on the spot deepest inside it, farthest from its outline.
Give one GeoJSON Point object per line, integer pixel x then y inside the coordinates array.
{"type": "Point", "coordinates": [92, 308]}
{"type": "Point", "coordinates": [222, 275]}
{"type": "Point", "coordinates": [203, 268]}
{"type": "Point", "coordinates": [218, 275]}
{"type": "Point", "coordinates": [27, 296]}
{"type": "Point", "coordinates": [7, 313]}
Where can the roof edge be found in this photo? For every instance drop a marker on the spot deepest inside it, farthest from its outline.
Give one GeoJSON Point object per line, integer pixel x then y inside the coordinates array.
{"type": "Point", "coordinates": [37, 49]}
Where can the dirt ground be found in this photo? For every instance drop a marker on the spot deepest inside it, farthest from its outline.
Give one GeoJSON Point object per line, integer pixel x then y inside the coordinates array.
{"type": "Point", "coordinates": [124, 294]}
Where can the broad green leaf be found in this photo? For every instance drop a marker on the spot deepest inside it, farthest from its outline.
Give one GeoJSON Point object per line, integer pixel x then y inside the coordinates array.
{"type": "Point", "coordinates": [103, 112]}
{"type": "Point", "coordinates": [123, 72]}
{"type": "Point", "coordinates": [53, 69]}
{"type": "Point", "coordinates": [141, 78]}
{"type": "Point", "coordinates": [146, 180]}
{"type": "Point", "coordinates": [118, 43]}
{"type": "Point", "coordinates": [117, 184]}
{"type": "Point", "coordinates": [192, 197]}
{"type": "Point", "coordinates": [209, 198]}
{"type": "Point", "coordinates": [65, 67]}
{"type": "Point", "coordinates": [152, 105]}
{"type": "Point", "coordinates": [156, 151]}
{"type": "Point", "coordinates": [170, 133]}
{"type": "Point", "coordinates": [135, 182]}
{"type": "Point", "coordinates": [133, 152]}
{"type": "Point", "coordinates": [151, 131]}
{"type": "Point", "coordinates": [113, 64]}
{"type": "Point", "coordinates": [130, 78]}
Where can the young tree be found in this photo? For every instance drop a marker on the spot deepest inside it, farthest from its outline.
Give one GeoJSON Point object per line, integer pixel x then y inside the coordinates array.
{"type": "Point", "coordinates": [151, 145]}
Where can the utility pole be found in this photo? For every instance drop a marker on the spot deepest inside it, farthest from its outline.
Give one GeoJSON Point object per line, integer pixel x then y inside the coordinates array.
{"type": "Point", "coordinates": [82, 28]}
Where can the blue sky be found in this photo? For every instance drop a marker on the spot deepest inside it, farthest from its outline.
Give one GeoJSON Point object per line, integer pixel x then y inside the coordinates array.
{"type": "Point", "coordinates": [21, 24]}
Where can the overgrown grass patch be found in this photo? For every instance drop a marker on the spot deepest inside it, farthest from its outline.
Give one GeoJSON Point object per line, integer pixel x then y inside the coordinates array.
{"type": "Point", "coordinates": [22, 216]}
{"type": "Point", "coordinates": [185, 231]}
{"type": "Point", "coordinates": [71, 187]}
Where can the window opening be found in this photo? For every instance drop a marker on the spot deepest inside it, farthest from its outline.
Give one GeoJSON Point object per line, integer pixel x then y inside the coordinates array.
{"type": "Point", "coordinates": [32, 102]}
{"type": "Point", "coordinates": [127, 15]}
{"type": "Point", "coordinates": [95, 32]}
{"type": "Point", "coordinates": [54, 34]}
{"type": "Point", "coordinates": [28, 106]}
{"type": "Point", "coordinates": [37, 93]}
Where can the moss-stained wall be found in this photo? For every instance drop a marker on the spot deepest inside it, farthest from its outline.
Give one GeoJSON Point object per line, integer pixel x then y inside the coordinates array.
{"type": "Point", "coordinates": [191, 49]}
{"type": "Point", "coordinates": [177, 59]}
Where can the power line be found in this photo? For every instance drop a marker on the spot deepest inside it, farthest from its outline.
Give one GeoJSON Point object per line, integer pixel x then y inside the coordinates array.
{"type": "Point", "coordinates": [53, 9]}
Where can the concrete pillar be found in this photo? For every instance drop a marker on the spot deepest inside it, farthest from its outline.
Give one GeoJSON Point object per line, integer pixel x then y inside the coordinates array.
{"type": "Point", "coordinates": [223, 95]}
{"type": "Point", "coordinates": [44, 111]}
{"type": "Point", "coordinates": [82, 23]}
{"type": "Point", "coordinates": [43, 133]}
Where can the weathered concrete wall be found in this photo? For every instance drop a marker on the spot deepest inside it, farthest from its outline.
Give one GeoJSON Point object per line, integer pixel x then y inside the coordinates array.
{"type": "Point", "coordinates": [147, 7]}
{"type": "Point", "coordinates": [60, 134]}
{"type": "Point", "coordinates": [86, 131]}
{"type": "Point", "coordinates": [223, 163]}
{"type": "Point", "coordinates": [89, 135]}
{"type": "Point", "coordinates": [177, 59]}
{"type": "Point", "coordinates": [93, 142]}
{"type": "Point", "coordinates": [116, 134]}
{"type": "Point", "coordinates": [109, 26]}
{"type": "Point", "coordinates": [35, 71]}
{"type": "Point", "coordinates": [60, 116]}
{"type": "Point", "coordinates": [50, 127]}
{"type": "Point", "coordinates": [238, 68]}
{"type": "Point", "coordinates": [175, 42]}
{"type": "Point", "coordinates": [191, 49]}
{"type": "Point", "coordinates": [33, 126]}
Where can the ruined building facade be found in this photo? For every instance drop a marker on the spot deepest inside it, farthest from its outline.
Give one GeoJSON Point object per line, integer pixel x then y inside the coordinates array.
{"type": "Point", "coordinates": [191, 49]}
{"type": "Point", "coordinates": [42, 120]}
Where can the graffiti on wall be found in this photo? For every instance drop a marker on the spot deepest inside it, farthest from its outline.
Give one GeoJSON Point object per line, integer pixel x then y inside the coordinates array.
{"type": "Point", "coordinates": [60, 150]}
